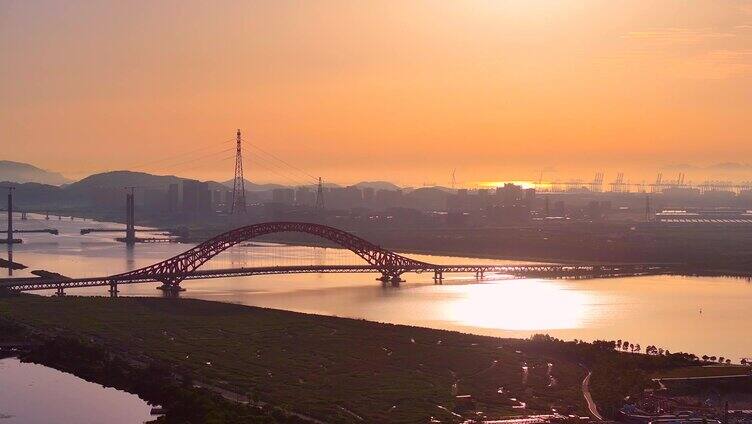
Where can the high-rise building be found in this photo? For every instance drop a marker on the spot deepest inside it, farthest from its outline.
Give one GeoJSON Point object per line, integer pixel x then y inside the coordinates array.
{"type": "Point", "coordinates": [283, 195]}
{"type": "Point", "coordinates": [304, 196]}
{"type": "Point", "coordinates": [368, 195]}
{"type": "Point", "coordinates": [196, 197]}
{"type": "Point", "coordinates": [155, 200]}
{"type": "Point", "coordinates": [204, 205]}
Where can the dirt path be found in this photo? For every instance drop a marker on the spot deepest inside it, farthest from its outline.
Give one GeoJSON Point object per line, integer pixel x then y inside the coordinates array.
{"type": "Point", "coordinates": [588, 398]}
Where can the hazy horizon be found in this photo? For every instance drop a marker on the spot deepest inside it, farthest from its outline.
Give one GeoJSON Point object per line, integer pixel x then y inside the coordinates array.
{"type": "Point", "coordinates": [405, 91]}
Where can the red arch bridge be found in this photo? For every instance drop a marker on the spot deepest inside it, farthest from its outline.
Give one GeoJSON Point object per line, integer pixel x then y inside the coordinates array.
{"type": "Point", "coordinates": [171, 272]}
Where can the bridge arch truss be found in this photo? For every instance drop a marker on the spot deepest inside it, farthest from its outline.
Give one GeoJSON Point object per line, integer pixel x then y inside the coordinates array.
{"type": "Point", "coordinates": [174, 270]}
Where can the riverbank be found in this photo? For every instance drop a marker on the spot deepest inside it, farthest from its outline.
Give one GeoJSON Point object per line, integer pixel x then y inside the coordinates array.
{"type": "Point", "coordinates": [323, 368]}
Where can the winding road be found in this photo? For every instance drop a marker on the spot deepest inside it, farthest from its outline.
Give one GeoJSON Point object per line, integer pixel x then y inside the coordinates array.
{"type": "Point", "coordinates": [588, 398]}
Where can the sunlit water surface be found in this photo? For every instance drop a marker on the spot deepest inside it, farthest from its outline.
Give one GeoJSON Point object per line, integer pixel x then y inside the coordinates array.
{"type": "Point", "coordinates": [34, 394]}
{"type": "Point", "coordinates": [699, 315]}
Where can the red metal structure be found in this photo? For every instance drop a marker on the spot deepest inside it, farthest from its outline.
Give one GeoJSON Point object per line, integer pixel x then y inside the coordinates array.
{"type": "Point", "coordinates": [174, 270]}
{"type": "Point", "coordinates": [391, 266]}
{"type": "Point", "coordinates": [238, 184]}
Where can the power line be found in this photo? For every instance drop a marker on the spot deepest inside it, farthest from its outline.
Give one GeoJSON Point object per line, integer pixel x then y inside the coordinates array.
{"type": "Point", "coordinates": [201, 164]}
{"type": "Point", "coordinates": [180, 155]}
{"type": "Point", "coordinates": [303, 172]}
{"type": "Point", "coordinates": [177, 165]}
{"type": "Point", "coordinates": [278, 173]}
{"type": "Point", "coordinates": [154, 161]}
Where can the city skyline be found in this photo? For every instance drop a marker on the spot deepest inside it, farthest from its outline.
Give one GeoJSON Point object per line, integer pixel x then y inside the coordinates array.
{"type": "Point", "coordinates": [493, 90]}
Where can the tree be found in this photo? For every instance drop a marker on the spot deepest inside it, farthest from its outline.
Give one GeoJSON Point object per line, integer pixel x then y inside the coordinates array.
{"type": "Point", "coordinates": [705, 358]}
{"type": "Point", "coordinates": [720, 359]}
{"type": "Point", "coordinates": [728, 361]}
{"type": "Point", "coordinates": [744, 361]}
{"type": "Point", "coordinates": [713, 358]}
{"type": "Point", "coordinates": [625, 345]}
{"type": "Point", "coordinates": [638, 348]}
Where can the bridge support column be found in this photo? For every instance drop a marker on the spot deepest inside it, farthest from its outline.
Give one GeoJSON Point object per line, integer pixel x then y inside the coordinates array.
{"type": "Point", "coordinates": [438, 277]}
{"type": "Point", "coordinates": [113, 289]}
{"type": "Point", "coordinates": [60, 292]}
{"type": "Point", "coordinates": [170, 290]}
{"type": "Point", "coordinates": [394, 279]}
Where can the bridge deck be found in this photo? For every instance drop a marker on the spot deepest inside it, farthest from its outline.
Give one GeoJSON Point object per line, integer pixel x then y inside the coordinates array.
{"type": "Point", "coordinates": [552, 270]}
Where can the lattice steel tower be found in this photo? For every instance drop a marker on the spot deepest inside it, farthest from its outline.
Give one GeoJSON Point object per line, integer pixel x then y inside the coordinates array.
{"type": "Point", "coordinates": [320, 195]}
{"type": "Point", "coordinates": [238, 185]}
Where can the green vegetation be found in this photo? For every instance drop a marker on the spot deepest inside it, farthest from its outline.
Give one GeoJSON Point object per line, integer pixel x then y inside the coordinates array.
{"type": "Point", "coordinates": [616, 375]}
{"type": "Point", "coordinates": [323, 367]}
{"type": "Point", "coordinates": [154, 382]}
{"type": "Point", "coordinates": [327, 368]}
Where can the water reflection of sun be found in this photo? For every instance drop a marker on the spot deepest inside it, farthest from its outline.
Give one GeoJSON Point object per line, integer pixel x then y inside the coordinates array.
{"type": "Point", "coordinates": [520, 305]}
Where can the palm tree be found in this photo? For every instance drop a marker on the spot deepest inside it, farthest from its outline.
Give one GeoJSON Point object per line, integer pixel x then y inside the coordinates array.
{"type": "Point", "coordinates": [705, 358]}
{"type": "Point", "coordinates": [720, 359]}
{"type": "Point", "coordinates": [728, 361]}
{"type": "Point", "coordinates": [713, 358]}
{"type": "Point", "coordinates": [637, 347]}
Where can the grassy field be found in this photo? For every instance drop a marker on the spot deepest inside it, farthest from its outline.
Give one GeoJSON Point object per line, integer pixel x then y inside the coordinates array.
{"type": "Point", "coordinates": [325, 367]}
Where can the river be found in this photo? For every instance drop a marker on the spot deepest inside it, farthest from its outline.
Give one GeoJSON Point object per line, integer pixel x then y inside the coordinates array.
{"type": "Point", "coordinates": [702, 315]}
{"type": "Point", "coordinates": [35, 394]}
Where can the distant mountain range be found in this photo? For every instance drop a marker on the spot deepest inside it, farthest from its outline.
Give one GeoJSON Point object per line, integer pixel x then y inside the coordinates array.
{"type": "Point", "coordinates": [251, 186]}
{"type": "Point", "coordinates": [119, 179]}
{"type": "Point", "coordinates": [25, 173]}
{"type": "Point", "coordinates": [377, 185]}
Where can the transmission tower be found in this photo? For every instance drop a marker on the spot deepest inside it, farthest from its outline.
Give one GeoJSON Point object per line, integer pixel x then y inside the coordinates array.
{"type": "Point", "coordinates": [320, 195]}
{"type": "Point", "coordinates": [238, 184]}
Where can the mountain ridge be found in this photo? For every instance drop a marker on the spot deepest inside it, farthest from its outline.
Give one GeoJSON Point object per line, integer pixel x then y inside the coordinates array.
{"type": "Point", "coordinates": [21, 172]}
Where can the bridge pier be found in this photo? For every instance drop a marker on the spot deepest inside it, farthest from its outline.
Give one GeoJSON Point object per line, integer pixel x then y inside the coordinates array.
{"type": "Point", "coordinates": [479, 274]}
{"type": "Point", "coordinates": [438, 277]}
{"type": "Point", "coordinates": [170, 290]}
{"type": "Point", "coordinates": [113, 289]}
{"type": "Point", "coordinates": [394, 279]}
{"type": "Point", "coordinates": [60, 292]}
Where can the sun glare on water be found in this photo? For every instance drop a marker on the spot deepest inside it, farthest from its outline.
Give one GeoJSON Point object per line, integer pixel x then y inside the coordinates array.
{"type": "Point", "coordinates": [521, 305]}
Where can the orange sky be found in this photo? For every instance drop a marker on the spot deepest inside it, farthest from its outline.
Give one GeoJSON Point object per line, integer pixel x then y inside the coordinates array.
{"type": "Point", "coordinates": [364, 90]}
